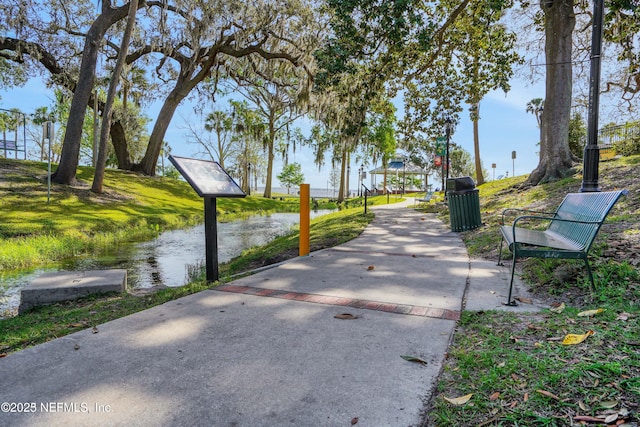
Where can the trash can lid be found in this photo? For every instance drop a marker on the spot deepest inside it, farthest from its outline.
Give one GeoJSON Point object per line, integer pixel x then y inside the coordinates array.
{"type": "Point", "coordinates": [460, 184]}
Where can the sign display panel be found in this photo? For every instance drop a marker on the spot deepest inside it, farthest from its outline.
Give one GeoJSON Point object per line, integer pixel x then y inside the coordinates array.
{"type": "Point", "coordinates": [208, 178]}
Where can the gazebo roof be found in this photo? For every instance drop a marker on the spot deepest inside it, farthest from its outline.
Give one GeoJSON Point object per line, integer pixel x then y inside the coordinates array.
{"type": "Point", "coordinates": [398, 165]}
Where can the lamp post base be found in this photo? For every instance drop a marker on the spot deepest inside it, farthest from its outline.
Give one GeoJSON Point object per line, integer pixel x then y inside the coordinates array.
{"type": "Point", "coordinates": [590, 169]}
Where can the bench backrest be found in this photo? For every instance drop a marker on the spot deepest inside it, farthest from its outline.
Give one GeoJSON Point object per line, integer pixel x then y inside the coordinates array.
{"type": "Point", "coordinates": [7, 145]}
{"type": "Point", "coordinates": [592, 207]}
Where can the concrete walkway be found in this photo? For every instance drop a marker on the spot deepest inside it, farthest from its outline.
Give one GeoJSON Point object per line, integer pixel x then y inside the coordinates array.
{"type": "Point", "coordinates": [267, 350]}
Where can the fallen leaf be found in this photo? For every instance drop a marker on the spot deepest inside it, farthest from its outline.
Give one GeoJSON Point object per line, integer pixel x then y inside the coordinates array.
{"type": "Point", "coordinates": [371, 267]}
{"type": "Point", "coordinates": [623, 316]}
{"type": "Point", "coordinates": [526, 397]}
{"type": "Point", "coordinates": [414, 359]}
{"type": "Point", "coordinates": [459, 400]}
{"type": "Point", "coordinates": [548, 394]}
{"type": "Point", "coordinates": [76, 325]}
{"type": "Point", "coordinates": [494, 396]}
{"type": "Point", "coordinates": [346, 316]}
{"type": "Point", "coordinates": [587, 418]}
{"type": "Point", "coordinates": [3, 355]}
{"type": "Point", "coordinates": [559, 309]}
{"type": "Point", "coordinates": [525, 300]}
{"type": "Point", "coordinates": [590, 313]}
{"type": "Point", "coordinates": [611, 418]}
{"type": "Point", "coordinates": [502, 364]}
{"type": "Point", "coordinates": [354, 421]}
{"type": "Point", "coordinates": [94, 330]}
{"type": "Point", "coordinates": [513, 404]}
{"type": "Point", "coordinates": [609, 404]}
{"type": "Point", "coordinates": [573, 339]}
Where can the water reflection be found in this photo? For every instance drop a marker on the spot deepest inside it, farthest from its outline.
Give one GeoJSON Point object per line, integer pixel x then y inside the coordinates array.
{"type": "Point", "coordinates": [164, 260]}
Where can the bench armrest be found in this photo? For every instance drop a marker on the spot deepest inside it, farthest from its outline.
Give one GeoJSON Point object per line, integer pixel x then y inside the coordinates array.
{"type": "Point", "coordinates": [552, 219]}
{"type": "Point", "coordinates": [516, 210]}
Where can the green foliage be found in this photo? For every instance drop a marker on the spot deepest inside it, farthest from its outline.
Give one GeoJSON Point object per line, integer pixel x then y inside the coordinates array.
{"type": "Point", "coordinates": [11, 75]}
{"type": "Point", "coordinates": [291, 175]}
{"type": "Point", "coordinates": [625, 139]}
{"type": "Point", "coordinates": [577, 135]}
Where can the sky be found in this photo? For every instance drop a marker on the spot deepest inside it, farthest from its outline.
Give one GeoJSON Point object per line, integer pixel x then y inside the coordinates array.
{"type": "Point", "coordinates": [504, 126]}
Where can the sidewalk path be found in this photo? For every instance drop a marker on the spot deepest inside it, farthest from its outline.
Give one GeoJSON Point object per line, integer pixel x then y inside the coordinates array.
{"type": "Point", "coordinates": [267, 349]}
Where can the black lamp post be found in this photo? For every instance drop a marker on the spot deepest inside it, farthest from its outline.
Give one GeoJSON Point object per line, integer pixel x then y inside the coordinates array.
{"type": "Point", "coordinates": [448, 134]}
{"type": "Point", "coordinates": [248, 179]}
{"type": "Point", "coordinates": [592, 151]}
{"type": "Point", "coordinates": [404, 174]}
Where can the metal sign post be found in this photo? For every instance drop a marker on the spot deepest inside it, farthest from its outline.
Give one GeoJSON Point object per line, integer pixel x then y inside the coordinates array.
{"type": "Point", "coordinates": [48, 134]}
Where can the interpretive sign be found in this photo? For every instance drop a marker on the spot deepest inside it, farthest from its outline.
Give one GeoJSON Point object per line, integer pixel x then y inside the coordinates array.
{"type": "Point", "coordinates": [209, 180]}
{"type": "Point", "coordinates": [207, 177]}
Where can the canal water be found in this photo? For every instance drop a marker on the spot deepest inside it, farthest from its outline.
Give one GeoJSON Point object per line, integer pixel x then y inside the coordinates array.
{"type": "Point", "coordinates": [164, 261]}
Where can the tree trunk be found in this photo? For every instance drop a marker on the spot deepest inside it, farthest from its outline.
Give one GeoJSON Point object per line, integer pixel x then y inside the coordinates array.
{"type": "Point", "coordinates": [476, 145]}
{"type": "Point", "coordinates": [120, 146]}
{"type": "Point", "coordinates": [343, 169]}
{"type": "Point", "coordinates": [270, 157]}
{"type": "Point", "coordinates": [148, 163]}
{"type": "Point", "coordinates": [66, 171]}
{"type": "Point", "coordinates": [555, 155]}
{"type": "Point", "coordinates": [107, 113]}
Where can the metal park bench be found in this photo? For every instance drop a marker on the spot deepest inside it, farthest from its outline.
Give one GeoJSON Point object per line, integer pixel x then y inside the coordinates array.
{"type": "Point", "coordinates": [568, 234]}
{"type": "Point", "coordinates": [8, 145]}
{"type": "Point", "coordinates": [425, 199]}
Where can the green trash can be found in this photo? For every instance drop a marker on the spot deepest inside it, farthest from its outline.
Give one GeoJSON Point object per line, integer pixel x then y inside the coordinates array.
{"type": "Point", "coordinates": [464, 204]}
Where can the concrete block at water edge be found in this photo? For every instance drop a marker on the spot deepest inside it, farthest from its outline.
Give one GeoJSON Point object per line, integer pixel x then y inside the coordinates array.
{"type": "Point", "coordinates": [70, 285]}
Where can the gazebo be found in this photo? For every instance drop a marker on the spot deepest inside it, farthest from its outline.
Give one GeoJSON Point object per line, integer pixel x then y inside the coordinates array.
{"type": "Point", "coordinates": [400, 168]}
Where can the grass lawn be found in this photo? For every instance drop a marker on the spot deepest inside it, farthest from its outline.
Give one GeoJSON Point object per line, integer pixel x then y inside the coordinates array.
{"type": "Point", "coordinates": [508, 369]}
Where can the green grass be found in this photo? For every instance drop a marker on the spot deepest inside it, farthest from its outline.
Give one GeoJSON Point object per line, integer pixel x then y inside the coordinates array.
{"type": "Point", "coordinates": [511, 362]}
{"type": "Point", "coordinates": [75, 221]}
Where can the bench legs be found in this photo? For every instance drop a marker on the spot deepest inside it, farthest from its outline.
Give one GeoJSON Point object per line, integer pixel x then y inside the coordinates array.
{"type": "Point", "coordinates": [586, 262]}
{"type": "Point", "coordinates": [500, 252]}
{"type": "Point", "coordinates": [509, 302]}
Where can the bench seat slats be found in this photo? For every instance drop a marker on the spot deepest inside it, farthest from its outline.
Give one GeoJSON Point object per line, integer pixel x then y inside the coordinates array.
{"type": "Point", "coordinates": [539, 238]}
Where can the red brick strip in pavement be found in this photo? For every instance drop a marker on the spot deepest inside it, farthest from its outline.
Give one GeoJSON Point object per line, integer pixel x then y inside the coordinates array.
{"type": "Point", "coordinates": [410, 310]}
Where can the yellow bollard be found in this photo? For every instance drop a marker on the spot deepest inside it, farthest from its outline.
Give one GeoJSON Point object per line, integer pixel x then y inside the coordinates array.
{"type": "Point", "coordinates": [304, 219]}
